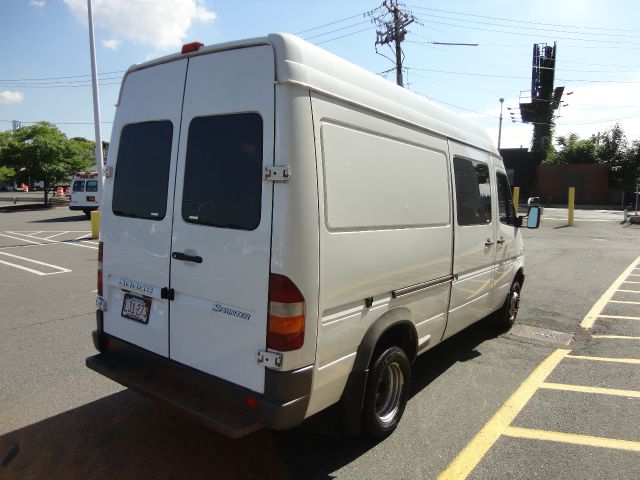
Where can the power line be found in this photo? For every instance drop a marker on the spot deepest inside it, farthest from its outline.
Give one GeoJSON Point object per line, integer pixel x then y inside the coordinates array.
{"type": "Point", "coordinates": [55, 86]}
{"type": "Point", "coordinates": [474, 74]}
{"type": "Point", "coordinates": [71, 82]}
{"type": "Point", "coordinates": [335, 22]}
{"type": "Point", "coordinates": [532, 28]}
{"type": "Point", "coordinates": [338, 29]}
{"type": "Point", "coordinates": [346, 35]}
{"type": "Point", "coordinates": [615, 42]}
{"type": "Point", "coordinates": [525, 21]}
{"type": "Point", "coordinates": [55, 123]}
{"type": "Point", "coordinates": [56, 78]}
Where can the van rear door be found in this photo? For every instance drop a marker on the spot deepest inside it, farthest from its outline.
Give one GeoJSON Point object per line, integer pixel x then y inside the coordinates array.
{"type": "Point", "coordinates": [138, 206]}
{"type": "Point", "coordinates": [221, 245]}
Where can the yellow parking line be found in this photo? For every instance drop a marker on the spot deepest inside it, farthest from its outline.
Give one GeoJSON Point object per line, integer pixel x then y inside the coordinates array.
{"type": "Point", "coordinates": [624, 301]}
{"type": "Point", "coordinates": [584, 389]}
{"type": "Point", "coordinates": [596, 310]}
{"type": "Point", "coordinates": [616, 337]}
{"type": "Point", "coordinates": [477, 448]}
{"type": "Point", "coordinates": [633, 361]}
{"type": "Point", "coordinates": [572, 438]}
{"type": "Point", "coordinates": [619, 317]}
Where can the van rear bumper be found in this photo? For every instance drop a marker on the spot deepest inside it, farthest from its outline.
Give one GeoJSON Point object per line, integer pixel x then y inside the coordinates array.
{"type": "Point", "coordinates": [219, 404]}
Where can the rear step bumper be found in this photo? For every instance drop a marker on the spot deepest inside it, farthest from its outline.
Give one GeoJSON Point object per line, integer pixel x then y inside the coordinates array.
{"type": "Point", "coordinates": [219, 404]}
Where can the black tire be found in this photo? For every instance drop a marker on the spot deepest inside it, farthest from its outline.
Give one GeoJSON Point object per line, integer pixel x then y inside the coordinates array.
{"type": "Point", "coordinates": [386, 393]}
{"type": "Point", "coordinates": [87, 213]}
{"type": "Point", "coordinates": [505, 317]}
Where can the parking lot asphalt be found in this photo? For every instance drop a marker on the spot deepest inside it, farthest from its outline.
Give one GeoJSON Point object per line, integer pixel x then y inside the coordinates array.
{"type": "Point", "coordinates": [60, 420]}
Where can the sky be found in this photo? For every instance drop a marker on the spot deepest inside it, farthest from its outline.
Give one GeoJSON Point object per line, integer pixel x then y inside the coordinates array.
{"type": "Point", "coordinates": [45, 63]}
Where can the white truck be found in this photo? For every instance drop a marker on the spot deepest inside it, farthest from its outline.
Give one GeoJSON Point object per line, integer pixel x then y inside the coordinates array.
{"type": "Point", "coordinates": [283, 231]}
{"type": "Point", "coordinates": [85, 190]}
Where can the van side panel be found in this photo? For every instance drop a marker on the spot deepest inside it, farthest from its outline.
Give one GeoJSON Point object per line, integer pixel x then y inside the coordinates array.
{"type": "Point", "coordinates": [385, 214]}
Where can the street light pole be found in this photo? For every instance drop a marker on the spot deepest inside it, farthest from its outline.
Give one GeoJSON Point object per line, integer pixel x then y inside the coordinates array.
{"type": "Point", "coordinates": [96, 105]}
{"type": "Point", "coordinates": [500, 126]}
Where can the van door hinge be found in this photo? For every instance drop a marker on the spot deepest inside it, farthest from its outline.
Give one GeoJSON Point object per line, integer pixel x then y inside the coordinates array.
{"type": "Point", "coordinates": [277, 173]}
{"type": "Point", "coordinates": [269, 359]}
{"type": "Point", "coordinates": [168, 293]}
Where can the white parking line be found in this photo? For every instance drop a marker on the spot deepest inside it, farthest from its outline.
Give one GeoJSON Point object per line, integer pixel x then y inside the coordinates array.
{"type": "Point", "coordinates": [54, 241]}
{"type": "Point", "coordinates": [37, 272]}
{"type": "Point", "coordinates": [624, 301]}
{"type": "Point", "coordinates": [54, 235]}
{"type": "Point", "coordinates": [86, 235]}
{"type": "Point", "coordinates": [21, 239]}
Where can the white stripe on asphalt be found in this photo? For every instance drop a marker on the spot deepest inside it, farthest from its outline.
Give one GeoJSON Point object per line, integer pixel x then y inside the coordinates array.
{"type": "Point", "coordinates": [56, 267]}
{"type": "Point", "coordinates": [57, 242]}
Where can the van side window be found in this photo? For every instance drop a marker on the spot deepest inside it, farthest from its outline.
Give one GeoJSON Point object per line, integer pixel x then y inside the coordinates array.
{"type": "Point", "coordinates": [473, 191]}
{"type": "Point", "coordinates": [142, 170]}
{"type": "Point", "coordinates": [506, 212]}
{"type": "Point", "coordinates": [223, 171]}
{"type": "Point", "coordinates": [92, 185]}
{"type": "Point", "coordinates": [78, 186]}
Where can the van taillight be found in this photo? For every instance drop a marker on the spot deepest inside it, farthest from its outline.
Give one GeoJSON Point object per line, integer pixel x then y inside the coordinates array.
{"type": "Point", "coordinates": [285, 325]}
{"type": "Point", "coordinates": [100, 255]}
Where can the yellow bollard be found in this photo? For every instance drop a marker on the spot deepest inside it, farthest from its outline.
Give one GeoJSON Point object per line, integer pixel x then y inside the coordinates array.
{"type": "Point", "coordinates": [95, 224]}
{"type": "Point", "coordinates": [516, 198]}
{"type": "Point", "coordinates": [572, 200]}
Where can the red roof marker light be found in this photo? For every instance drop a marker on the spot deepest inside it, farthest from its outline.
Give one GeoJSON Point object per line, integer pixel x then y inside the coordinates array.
{"type": "Point", "coordinates": [191, 47]}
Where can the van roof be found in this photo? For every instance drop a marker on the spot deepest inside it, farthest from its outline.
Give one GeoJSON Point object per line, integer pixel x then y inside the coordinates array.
{"type": "Point", "coordinates": [300, 63]}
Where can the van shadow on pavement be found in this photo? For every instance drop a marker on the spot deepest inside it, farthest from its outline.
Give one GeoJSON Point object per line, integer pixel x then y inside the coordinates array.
{"type": "Point", "coordinates": [67, 218]}
{"type": "Point", "coordinates": [127, 435]}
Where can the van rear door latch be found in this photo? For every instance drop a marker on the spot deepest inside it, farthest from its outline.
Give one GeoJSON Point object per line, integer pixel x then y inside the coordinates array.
{"type": "Point", "coordinates": [277, 173]}
{"type": "Point", "coordinates": [269, 359]}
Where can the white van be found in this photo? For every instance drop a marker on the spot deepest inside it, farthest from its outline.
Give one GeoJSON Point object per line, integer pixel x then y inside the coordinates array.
{"type": "Point", "coordinates": [84, 192]}
{"type": "Point", "coordinates": [283, 231]}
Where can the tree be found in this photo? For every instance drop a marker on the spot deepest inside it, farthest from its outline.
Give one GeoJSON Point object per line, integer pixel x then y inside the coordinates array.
{"type": "Point", "coordinates": [573, 150]}
{"type": "Point", "coordinates": [41, 151]}
{"type": "Point", "coordinates": [6, 173]}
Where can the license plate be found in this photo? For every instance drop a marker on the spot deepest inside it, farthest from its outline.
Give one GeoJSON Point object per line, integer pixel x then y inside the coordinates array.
{"type": "Point", "coordinates": [136, 308]}
{"type": "Point", "coordinates": [91, 199]}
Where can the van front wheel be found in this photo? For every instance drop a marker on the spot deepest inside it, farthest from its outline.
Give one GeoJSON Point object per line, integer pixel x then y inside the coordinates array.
{"type": "Point", "coordinates": [505, 317]}
{"type": "Point", "coordinates": [386, 393]}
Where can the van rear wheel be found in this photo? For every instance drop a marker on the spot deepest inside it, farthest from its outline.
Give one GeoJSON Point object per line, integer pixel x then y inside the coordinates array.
{"type": "Point", "coordinates": [386, 393]}
{"type": "Point", "coordinates": [87, 213]}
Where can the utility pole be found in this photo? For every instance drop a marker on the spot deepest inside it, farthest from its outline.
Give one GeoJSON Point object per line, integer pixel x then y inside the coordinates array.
{"type": "Point", "coordinates": [96, 104]}
{"type": "Point", "coordinates": [394, 31]}
{"type": "Point", "coordinates": [500, 126]}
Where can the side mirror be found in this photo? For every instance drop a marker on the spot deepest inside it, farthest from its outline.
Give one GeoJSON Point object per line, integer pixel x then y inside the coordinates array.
{"type": "Point", "coordinates": [533, 217]}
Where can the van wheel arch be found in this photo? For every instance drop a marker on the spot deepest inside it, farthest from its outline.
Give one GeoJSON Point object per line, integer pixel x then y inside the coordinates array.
{"type": "Point", "coordinates": [392, 329]}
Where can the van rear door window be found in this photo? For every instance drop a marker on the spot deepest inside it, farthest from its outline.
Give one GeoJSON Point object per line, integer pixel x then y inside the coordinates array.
{"type": "Point", "coordinates": [142, 170]}
{"type": "Point", "coordinates": [473, 191]}
{"type": "Point", "coordinates": [223, 171]}
{"type": "Point", "coordinates": [78, 186]}
{"type": "Point", "coordinates": [92, 185]}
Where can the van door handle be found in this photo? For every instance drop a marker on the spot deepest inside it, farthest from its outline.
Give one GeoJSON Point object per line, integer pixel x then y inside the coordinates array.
{"type": "Point", "coordinates": [488, 243]}
{"type": "Point", "coordinates": [186, 258]}
{"type": "Point", "coordinates": [501, 241]}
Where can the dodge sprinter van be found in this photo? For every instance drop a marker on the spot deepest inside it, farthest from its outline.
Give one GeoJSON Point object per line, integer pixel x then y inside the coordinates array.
{"type": "Point", "coordinates": [283, 231]}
